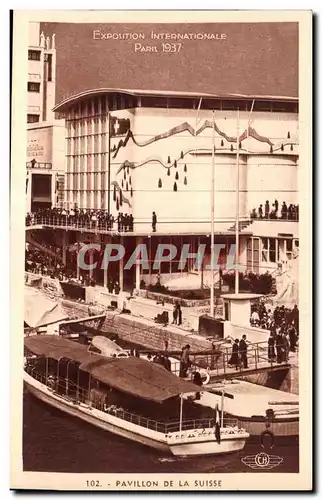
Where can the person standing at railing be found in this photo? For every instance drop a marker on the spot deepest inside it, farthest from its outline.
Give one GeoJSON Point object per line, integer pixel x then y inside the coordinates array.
{"type": "Point", "coordinates": [184, 361]}
{"type": "Point", "coordinates": [243, 351]}
{"type": "Point", "coordinates": [234, 359]}
{"type": "Point", "coordinates": [271, 347]}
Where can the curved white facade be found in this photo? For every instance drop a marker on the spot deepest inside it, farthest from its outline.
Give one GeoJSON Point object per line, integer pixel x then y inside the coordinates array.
{"type": "Point", "coordinates": [162, 162]}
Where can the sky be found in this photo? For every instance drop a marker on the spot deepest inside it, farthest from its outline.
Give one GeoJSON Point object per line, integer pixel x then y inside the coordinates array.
{"type": "Point", "coordinates": [249, 58]}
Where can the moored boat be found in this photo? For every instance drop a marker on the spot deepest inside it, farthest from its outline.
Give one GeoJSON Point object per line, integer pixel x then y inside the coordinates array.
{"type": "Point", "coordinates": [129, 397]}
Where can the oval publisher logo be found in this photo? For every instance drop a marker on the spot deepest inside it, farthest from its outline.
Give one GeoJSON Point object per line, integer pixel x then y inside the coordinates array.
{"type": "Point", "coordinates": [262, 461]}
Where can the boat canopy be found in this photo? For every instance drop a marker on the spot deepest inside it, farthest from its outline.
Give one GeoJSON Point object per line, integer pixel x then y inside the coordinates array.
{"type": "Point", "coordinates": [135, 376]}
{"type": "Point", "coordinates": [40, 310]}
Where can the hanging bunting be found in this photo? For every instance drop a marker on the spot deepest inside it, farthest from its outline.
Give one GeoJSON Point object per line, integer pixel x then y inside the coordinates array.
{"type": "Point", "coordinates": [168, 172]}
{"type": "Point", "coordinates": [131, 192]}
{"type": "Point", "coordinates": [185, 168]}
{"type": "Point", "coordinates": [127, 187]}
{"type": "Point", "coordinates": [231, 147]}
{"type": "Point", "coordinates": [291, 147]}
{"type": "Point", "coordinates": [114, 193]}
{"type": "Point", "coordinates": [122, 183]}
{"type": "Point", "coordinates": [181, 156]}
{"type": "Point", "coordinates": [169, 159]}
{"type": "Point", "coordinates": [240, 145]}
{"type": "Point", "coordinates": [185, 181]}
{"type": "Point", "coordinates": [124, 174]}
{"type": "Point", "coordinates": [282, 147]}
{"type": "Point", "coordinates": [117, 204]}
{"type": "Point", "coordinates": [130, 180]}
{"type": "Point", "coordinates": [175, 163]}
{"type": "Point", "coordinates": [222, 143]}
{"type": "Point", "coordinates": [128, 169]}
{"type": "Point", "coordinates": [160, 183]}
{"type": "Point", "coordinates": [177, 176]}
{"type": "Point", "coordinates": [271, 149]}
{"type": "Point", "coordinates": [288, 135]}
{"type": "Point", "coordinates": [175, 187]}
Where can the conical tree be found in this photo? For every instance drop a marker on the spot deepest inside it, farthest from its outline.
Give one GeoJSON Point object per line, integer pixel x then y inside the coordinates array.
{"type": "Point", "coordinates": [160, 183]}
{"type": "Point", "coordinates": [175, 188]}
{"type": "Point", "coordinates": [177, 176]}
{"type": "Point", "coordinates": [185, 182]}
{"type": "Point", "coordinates": [185, 168]}
{"type": "Point", "coordinates": [168, 172]}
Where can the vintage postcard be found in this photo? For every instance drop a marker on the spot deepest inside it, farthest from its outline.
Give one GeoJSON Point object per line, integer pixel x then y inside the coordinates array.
{"type": "Point", "coordinates": [161, 207]}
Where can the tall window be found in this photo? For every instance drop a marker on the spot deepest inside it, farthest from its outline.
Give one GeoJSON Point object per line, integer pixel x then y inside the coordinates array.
{"type": "Point", "coordinates": [33, 87]}
{"type": "Point", "coordinates": [268, 249]}
{"type": "Point", "coordinates": [34, 55]}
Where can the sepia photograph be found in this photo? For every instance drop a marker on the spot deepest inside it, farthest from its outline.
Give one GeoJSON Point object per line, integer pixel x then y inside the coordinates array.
{"type": "Point", "coordinates": [161, 210]}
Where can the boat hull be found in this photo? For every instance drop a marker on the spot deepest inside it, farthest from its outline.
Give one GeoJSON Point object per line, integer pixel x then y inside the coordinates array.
{"type": "Point", "coordinates": [148, 437]}
{"type": "Point", "coordinates": [208, 447]}
{"type": "Point", "coordinates": [283, 427]}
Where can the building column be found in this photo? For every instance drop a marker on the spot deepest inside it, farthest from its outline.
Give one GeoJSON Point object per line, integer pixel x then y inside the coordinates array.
{"type": "Point", "coordinates": [105, 270]}
{"type": "Point", "coordinates": [91, 262]}
{"type": "Point", "coordinates": [121, 271]}
{"type": "Point", "coordinates": [138, 268]}
{"type": "Point", "coordinates": [64, 247]}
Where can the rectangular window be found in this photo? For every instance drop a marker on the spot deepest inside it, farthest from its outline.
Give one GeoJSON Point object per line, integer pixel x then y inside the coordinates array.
{"type": "Point", "coordinates": [268, 249]}
{"type": "Point", "coordinates": [34, 55]}
{"type": "Point", "coordinates": [33, 87]}
{"type": "Point", "coordinates": [49, 62]}
{"type": "Point", "coordinates": [32, 118]}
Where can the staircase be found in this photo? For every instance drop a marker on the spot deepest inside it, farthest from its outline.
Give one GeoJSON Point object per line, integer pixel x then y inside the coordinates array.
{"type": "Point", "coordinates": [31, 241]}
{"type": "Point", "coordinates": [242, 225]}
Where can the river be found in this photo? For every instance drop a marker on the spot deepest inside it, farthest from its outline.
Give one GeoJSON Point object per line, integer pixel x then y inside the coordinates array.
{"type": "Point", "coordinates": [55, 442]}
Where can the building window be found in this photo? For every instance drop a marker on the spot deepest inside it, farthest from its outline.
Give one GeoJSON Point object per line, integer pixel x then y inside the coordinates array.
{"type": "Point", "coordinates": [34, 55]}
{"type": "Point", "coordinates": [289, 248]}
{"type": "Point", "coordinates": [32, 118]}
{"type": "Point", "coordinates": [33, 87]}
{"type": "Point", "coordinates": [48, 61]}
{"type": "Point", "coordinates": [268, 249]}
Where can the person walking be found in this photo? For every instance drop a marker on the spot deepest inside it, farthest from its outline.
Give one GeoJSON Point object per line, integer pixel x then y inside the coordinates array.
{"type": "Point", "coordinates": [271, 347]}
{"type": "Point", "coordinates": [243, 352]}
{"type": "Point", "coordinates": [234, 359]}
{"type": "Point", "coordinates": [184, 361]}
{"type": "Point", "coordinates": [175, 315]}
{"type": "Point", "coordinates": [154, 222]}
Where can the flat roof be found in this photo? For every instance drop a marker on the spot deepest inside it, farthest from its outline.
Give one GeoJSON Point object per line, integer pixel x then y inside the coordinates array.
{"type": "Point", "coordinates": [165, 93]}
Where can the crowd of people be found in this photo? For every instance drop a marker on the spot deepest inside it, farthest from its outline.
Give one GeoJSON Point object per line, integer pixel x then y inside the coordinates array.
{"type": "Point", "coordinates": [276, 211]}
{"type": "Point", "coordinates": [283, 324]}
{"type": "Point", "coordinates": [81, 219]}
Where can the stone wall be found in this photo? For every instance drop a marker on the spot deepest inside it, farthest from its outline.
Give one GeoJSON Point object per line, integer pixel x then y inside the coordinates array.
{"type": "Point", "coordinates": [137, 330]}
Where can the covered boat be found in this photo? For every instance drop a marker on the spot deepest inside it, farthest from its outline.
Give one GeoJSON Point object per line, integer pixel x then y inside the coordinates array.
{"type": "Point", "coordinates": [129, 397]}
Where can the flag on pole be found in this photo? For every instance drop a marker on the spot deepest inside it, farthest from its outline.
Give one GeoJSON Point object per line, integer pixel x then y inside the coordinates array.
{"type": "Point", "coordinates": [197, 117]}
{"type": "Point", "coordinates": [217, 424]}
{"type": "Point", "coordinates": [119, 126]}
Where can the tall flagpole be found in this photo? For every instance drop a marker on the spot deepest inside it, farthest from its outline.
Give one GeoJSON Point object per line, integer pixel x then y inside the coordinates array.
{"type": "Point", "coordinates": [237, 211]}
{"type": "Point", "coordinates": [212, 216]}
{"type": "Point", "coordinates": [109, 166]}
